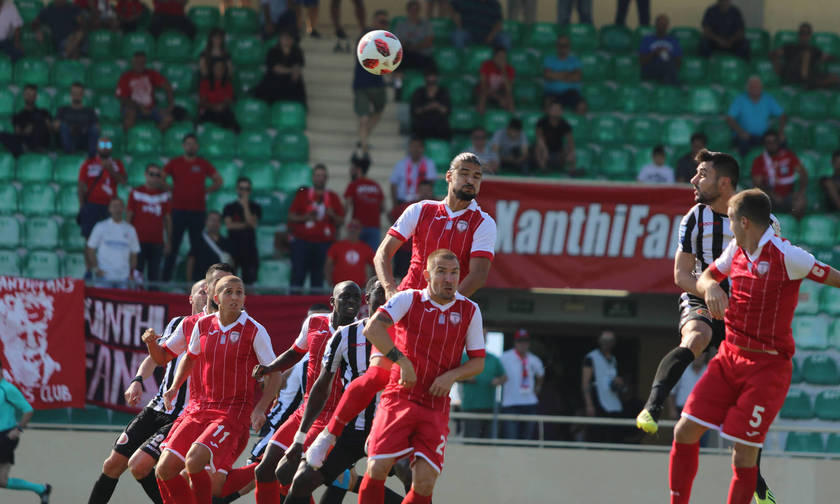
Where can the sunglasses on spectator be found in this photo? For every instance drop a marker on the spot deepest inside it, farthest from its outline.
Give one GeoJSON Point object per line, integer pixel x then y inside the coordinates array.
{"type": "Point", "coordinates": [105, 145]}
{"type": "Point", "coordinates": [156, 174]}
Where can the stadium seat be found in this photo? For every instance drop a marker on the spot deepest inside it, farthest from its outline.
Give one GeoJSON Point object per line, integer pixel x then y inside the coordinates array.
{"type": "Point", "coordinates": [797, 406]}
{"type": "Point", "coordinates": [241, 20]}
{"type": "Point", "coordinates": [804, 442]}
{"type": "Point", "coordinates": [251, 112]}
{"type": "Point", "coordinates": [783, 37]}
{"type": "Point", "coordinates": [798, 135]}
{"type": "Point", "coordinates": [796, 375]}
{"type": "Point", "coordinates": [228, 169]}
{"type": "Point", "coordinates": [763, 68]}
{"type": "Point", "coordinates": [809, 298]}
{"type": "Point", "coordinates": [136, 169]}
{"type": "Point", "coordinates": [825, 137]}
{"type": "Point", "coordinates": [204, 17]}
{"type": "Point", "coordinates": [173, 139]}
{"type": "Point", "coordinates": [599, 97]}
{"type": "Point", "coordinates": [473, 58]}
{"type": "Point", "coordinates": [811, 105]}
{"type": "Point", "coordinates": [67, 72]}
{"type": "Point", "coordinates": [7, 102]}
{"type": "Point", "coordinates": [582, 36]}
{"type": "Point", "coordinates": [718, 133]}
{"type": "Point", "coordinates": [138, 40]}
{"type": "Point", "coordinates": [34, 168]}
{"type": "Point", "coordinates": [818, 230]}
{"type": "Point", "coordinates": [461, 90]}
{"type": "Point", "coordinates": [108, 107]}
{"type": "Point", "coordinates": [217, 142]}
{"type": "Point", "coordinates": [543, 35]}
{"type": "Point", "coordinates": [37, 199]}
{"type": "Point", "coordinates": [189, 103]}
{"type": "Point", "coordinates": [215, 201]}
{"type": "Point", "coordinates": [586, 161]}
{"type": "Point", "coordinates": [830, 303]}
{"type": "Point", "coordinates": [6, 70]}
{"type": "Point", "coordinates": [292, 176]}
{"type": "Point", "coordinates": [615, 163]}
{"type": "Point", "coordinates": [254, 145]}
{"type": "Point", "coordinates": [594, 67]}
{"type": "Point", "coordinates": [274, 209]}
{"type": "Point", "coordinates": [67, 201]}
{"type": "Point", "coordinates": [820, 369]}
{"type": "Point", "coordinates": [32, 71]}
{"type": "Point", "coordinates": [7, 166]}
{"type": "Point", "coordinates": [633, 99]}
{"type": "Point", "coordinates": [10, 232]}
{"type": "Point", "coordinates": [144, 139]}
{"type": "Point", "coordinates": [442, 28]}
{"type": "Point", "coordinates": [288, 116]}
{"type": "Point", "coordinates": [8, 199]}
{"type": "Point", "coordinates": [677, 132]}
{"type": "Point", "coordinates": [262, 174]}
{"type": "Point", "coordinates": [102, 45]}
{"type": "Point", "coordinates": [29, 9]}
{"type": "Point", "coordinates": [526, 63]}
{"type": "Point", "coordinates": [496, 119]}
{"type": "Point", "coordinates": [728, 71]}
{"type": "Point", "coordinates": [789, 225]}
{"type": "Point", "coordinates": [643, 130]}
{"type": "Point", "coordinates": [246, 50]}
{"type": "Point", "coordinates": [439, 152]}
{"type": "Point", "coordinates": [626, 69]}
{"type": "Point", "coordinates": [827, 405]}
{"type": "Point", "coordinates": [245, 79]}
{"type": "Point", "coordinates": [689, 38]}
{"type": "Point", "coordinates": [759, 42]}
{"type": "Point", "coordinates": [827, 42]}
{"type": "Point", "coordinates": [581, 130]}
{"type": "Point", "coordinates": [607, 130]}
{"type": "Point", "coordinates": [291, 147]}
{"type": "Point", "coordinates": [173, 47]}
{"type": "Point", "coordinates": [810, 332]}
{"type": "Point", "coordinates": [666, 99]}
{"type": "Point", "coordinates": [182, 77]}
{"type": "Point", "coordinates": [616, 39]}
{"type": "Point", "coordinates": [513, 29]}
{"type": "Point", "coordinates": [104, 75]}
{"type": "Point", "coordinates": [73, 265]}
{"type": "Point", "coordinates": [273, 273]}
{"type": "Point", "coordinates": [833, 443]}
{"type": "Point", "coordinates": [463, 119]}
{"type": "Point", "coordinates": [703, 100]}
{"type": "Point", "coordinates": [448, 60]}
{"type": "Point", "coordinates": [411, 83]}
{"type": "Point", "coordinates": [9, 263]}
{"type": "Point", "coordinates": [41, 233]}
{"type": "Point", "coordinates": [66, 168]}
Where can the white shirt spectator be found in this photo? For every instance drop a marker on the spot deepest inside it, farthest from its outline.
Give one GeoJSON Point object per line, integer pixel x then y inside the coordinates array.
{"type": "Point", "coordinates": [114, 243]}
{"type": "Point", "coordinates": [686, 384]}
{"type": "Point", "coordinates": [488, 155]}
{"type": "Point", "coordinates": [656, 174]}
{"type": "Point", "coordinates": [407, 175]}
{"type": "Point", "coordinates": [10, 19]}
{"type": "Point", "coordinates": [518, 390]}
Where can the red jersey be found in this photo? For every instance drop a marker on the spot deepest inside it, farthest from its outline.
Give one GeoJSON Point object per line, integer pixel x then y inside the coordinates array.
{"type": "Point", "coordinates": [100, 186]}
{"type": "Point", "coordinates": [367, 198]}
{"type": "Point", "coordinates": [495, 76]}
{"type": "Point", "coordinates": [317, 329]}
{"type": "Point", "coordinates": [148, 207]}
{"type": "Point", "coordinates": [177, 344]}
{"type": "Point", "coordinates": [128, 9]}
{"type": "Point", "coordinates": [433, 337]}
{"type": "Point", "coordinates": [215, 92]}
{"type": "Point", "coordinates": [764, 290]}
{"type": "Point", "coordinates": [779, 170]}
{"type": "Point", "coordinates": [188, 182]}
{"type": "Point", "coordinates": [323, 228]}
{"type": "Point", "coordinates": [140, 86]}
{"type": "Point", "coordinates": [170, 7]}
{"type": "Point", "coordinates": [433, 225]}
{"type": "Point", "coordinates": [225, 357]}
{"type": "Point", "coordinates": [350, 261]}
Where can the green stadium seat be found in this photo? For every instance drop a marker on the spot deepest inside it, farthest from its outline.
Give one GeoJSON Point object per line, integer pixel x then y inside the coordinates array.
{"type": "Point", "coordinates": [689, 38]}
{"type": "Point", "coordinates": [641, 32]}
{"type": "Point", "coordinates": [173, 139]}
{"type": "Point", "coordinates": [67, 72]}
{"type": "Point", "coordinates": [473, 58]}
{"type": "Point", "coordinates": [10, 232]}
{"type": "Point", "coordinates": [513, 29]}
{"type": "Point", "coordinates": [797, 406]}
{"type": "Point", "coordinates": [251, 112]}
{"type": "Point", "coordinates": [174, 47]}
{"type": "Point", "coordinates": [291, 147]}
{"type": "Point", "coordinates": [607, 130]}
{"type": "Point", "coordinates": [8, 199]}
{"type": "Point", "coordinates": [633, 99]}
{"type": "Point", "coordinates": [594, 67]}
{"type": "Point", "coordinates": [217, 142]}
{"type": "Point", "coordinates": [783, 37]}
{"type": "Point", "coordinates": [102, 45]}
{"type": "Point", "coordinates": [204, 17]}
{"type": "Point", "coordinates": [32, 71]}
{"type": "Point", "coordinates": [818, 230]}
{"type": "Point", "coordinates": [246, 50]}
{"type": "Point", "coordinates": [582, 36]}
{"type": "Point", "coordinates": [581, 130]}
{"type": "Point", "coordinates": [816, 164]}
{"type": "Point", "coordinates": [293, 176]}
{"type": "Point", "coordinates": [642, 130]}
{"type": "Point", "coordinates": [616, 39]}
{"type": "Point", "coordinates": [666, 99]}
{"type": "Point", "coordinates": [274, 273]}
{"type": "Point", "coordinates": [6, 70]}
{"type": "Point", "coordinates": [41, 233]}
{"type": "Point", "coordinates": [71, 237]}
{"type": "Point", "coordinates": [798, 135]}
{"type": "Point", "coordinates": [703, 100]}
{"type": "Point", "coordinates": [228, 169]}
{"type": "Point", "coordinates": [763, 68]}
{"type": "Point", "coordinates": [827, 42]}
{"type": "Point", "coordinates": [34, 168]}
{"type": "Point", "coordinates": [727, 70]}
{"type": "Point", "coordinates": [825, 137]}
{"type": "Point", "coordinates": [496, 119]}
{"type": "Point", "coordinates": [833, 444]}
{"type": "Point", "coordinates": [66, 168]}
{"type": "Point", "coordinates": [810, 332]}
{"type": "Point", "coordinates": [136, 169]}
{"type": "Point", "coordinates": [241, 20]}
{"type": "Point", "coordinates": [33, 47]}
{"type": "Point", "coordinates": [527, 93]}
{"type": "Point", "coordinates": [144, 139]}
{"type": "Point", "coordinates": [811, 105]}
{"type": "Point", "coordinates": [830, 303]}
{"type": "Point", "coordinates": [827, 405]}
{"type": "Point", "coordinates": [442, 28]}
{"type": "Point", "coordinates": [525, 62]}
{"type": "Point", "coordinates": [789, 225]}
{"type": "Point", "coordinates": [262, 174]}
{"type": "Point", "coordinates": [448, 60]}
{"type": "Point", "coordinates": [138, 40]}
{"type": "Point", "coordinates": [108, 107]}
{"type": "Point", "coordinates": [103, 76]}
{"type": "Point", "coordinates": [461, 89]}
{"type": "Point", "coordinates": [809, 298]}
{"type": "Point", "coordinates": [542, 35]}
{"type": "Point", "coordinates": [438, 151]}
{"type": "Point", "coordinates": [73, 265]}
{"type": "Point", "coordinates": [759, 41]}
{"type": "Point", "coordinates": [820, 369]}
{"type": "Point", "coordinates": [37, 199]}
{"type": "Point", "coordinates": [586, 160]}
{"type": "Point", "coordinates": [274, 209]}
{"type": "Point", "coordinates": [615, 163]}
{"type": "Point", "coordinates": [9, 263]}
{"type": "Point", "coordinates": [215, 201]}
{"type": "Point", "coordinates": [796, 375]}
{"type": "Point", "coordinates": [245, 79]}
{"type": "Point", "coordinates": [29, 9]}
{"type": "Point", "coordinates": [599, 97]}
{"type": "Point", "coordinates": [181, 77]}
{"type": "Point", "coordinates": [463, 119]}
{"type": "Point", "coordinates": [718, 133]}
{"type": "Point", "coordinates": [411, 83]}
{"type": "Point", "coordinates": [7, 166]}
{"type": "Point", "coordinates": [677, 132]}
{"type": "Point", "coordinates": [67, 202]}
{"type": "Point", "coordinates": [811, 442]}
{"type": "Point", "coordinates": [626, 69]}
{"type": "Point", "coordinates": [288, 116]}
{"type": "Point", "coordinates": [254, 145]}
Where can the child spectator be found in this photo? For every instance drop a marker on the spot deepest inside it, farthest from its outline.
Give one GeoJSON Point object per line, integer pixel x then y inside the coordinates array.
{"type": "Point", "coordinates": [657, 172]}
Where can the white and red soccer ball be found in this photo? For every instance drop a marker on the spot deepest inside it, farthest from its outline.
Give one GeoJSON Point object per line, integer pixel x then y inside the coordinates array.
{"type": "Point", "coordinates": [379, 52]}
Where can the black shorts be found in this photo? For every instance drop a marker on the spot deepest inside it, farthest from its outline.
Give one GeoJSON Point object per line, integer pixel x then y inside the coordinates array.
{"type": "Point", "coordinates": [146, 431]}
{"type": "Point", "coordinates": [348, 449]}
{"type": "Point", "coordinates": [7, 447]}
{"type": "Point", "coordinates": [694, 308]}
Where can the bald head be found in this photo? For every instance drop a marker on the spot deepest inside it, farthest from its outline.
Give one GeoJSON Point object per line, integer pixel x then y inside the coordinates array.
{"type": "Point", "coordinates": [346, 301]}
{"type": "Point", "coordinates": [754, 87]}
{"type": "Point", "coordinates": [342, 286]}
{"type": "Point", "coordinates": [198, 296]}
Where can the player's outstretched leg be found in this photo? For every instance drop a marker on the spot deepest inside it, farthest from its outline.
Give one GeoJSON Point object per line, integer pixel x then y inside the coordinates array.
{"type": "Point", "coordinates": [173, 488]}
{"type": "Point", "coordinates": [197, 458]}
{"type": "Point", "coordinates": [763, 494]}
{"type": "Point", "coordinates": [372, 489]}
{"type": "Point", "coordinates": [744, 474]}
{"type": "Point", "coordinates": [268, 488]}
{"type": "Point", "coordinates": [112, 468]}
{"type": "Point", "coordinates": [685, 455]}
{"type": "Point", "coordinates": [142, 467]}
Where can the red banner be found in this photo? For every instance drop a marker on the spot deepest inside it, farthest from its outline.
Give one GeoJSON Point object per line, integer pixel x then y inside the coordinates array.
{"type": "Point", "coordinates": [41, 336]}
{"type": "Point", "coordinates": [115, 320]}
{"type": "Point", "coordinates": [584, 236]}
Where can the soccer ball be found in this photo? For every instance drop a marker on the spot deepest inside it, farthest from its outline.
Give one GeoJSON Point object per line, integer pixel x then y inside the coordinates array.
{"type": "Point", "coordinates": [379, 52]}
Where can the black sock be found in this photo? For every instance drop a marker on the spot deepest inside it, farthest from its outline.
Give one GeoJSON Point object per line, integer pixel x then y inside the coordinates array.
{"type": "Point", "coordinates": [358, 485]}
{"type": "Point", "coordinates": [392, 497]}
{"type": "Point", "coordinates": [297, 500]}
{"type": "Point", "coordinates": [670, 369]}
{"type": "Point", "coordinates": [150, 486]}
{"type": "Point", "coordinates": [760, 484]}
{"type": "Point", "coordinates": [232, 497]}
{"type": "Point", "coordinates": [102, 490]}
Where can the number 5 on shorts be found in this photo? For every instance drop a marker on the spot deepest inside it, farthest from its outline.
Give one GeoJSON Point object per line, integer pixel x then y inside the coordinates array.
{"type": "Point", "coordinates": [442, 445]}
{"type": "Point", "coordinates": [756, 416]}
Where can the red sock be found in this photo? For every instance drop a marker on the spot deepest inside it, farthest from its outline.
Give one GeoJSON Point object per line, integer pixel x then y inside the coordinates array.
{"type": "Point", "coordinates": [357, 396]}
{"type": "Point", "coordinates": [682, 470]}
{"type": "Point", "coordinates": [413, 497]}
{"type": "Point", "coordinates": [743, 485]}
{"type": "Point", "coordinates": [268, 492]}
{"type": "Point", "coordinates": [201, 487]}
{"type": "Point", "coordinates": [238, 478]}
{"type": "Point", "coordinates": [371, 491]}
{"type": "Point", "coordinates": [179, 490]}
{"type": "Point", "coordinates": [164, 493]}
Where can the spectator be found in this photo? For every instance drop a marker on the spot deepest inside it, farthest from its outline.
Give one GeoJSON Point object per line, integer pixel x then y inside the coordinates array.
{"type": "Point", "coordinates": [170, 15]}
{"type": "Point", "coordinates": [409, 172]}
{"type": "Point", "coordinates": [77, 124]}
{"type": "Point", "coordinates": [511, 147]}
{"type": "Point", "coordinates": [283, 79]}
{"type": "Point", "coordinates": [657, 172]}
{"type": "Point", "coordinates": [484, 151]}
{"type": "Point", "coordinates": [417, 37]}
{"type": "Point", "coordinates": [430, 108]}
{"type": "Point", "coordinates": [687, 165]}
{"type": "Point", "coordinates": [313, 217]}
{"type": "Point", "coordinates": [750, 113]}
{"type": "Point", "coordinates": [496, 82]}
{"type": "Point", "coordinates": [369, 90]}
{"type": "Point", "coordinates": [350, 258]}
{"type": "Point", "coordinates": [335, 15]}
{"type": "Point", "coordinates": [830, 182]}
{"type": "Point", "coordinates": [215, 51]}
{"type": "Point", "coordinates": [564, 11]}
{"type": "Point", "coordinates": [520, 391]}
{"type": "Point", "coordinates": [212, 248]}
{"type": "Point", "coordinates": [478, 22]}
{"type": "Point", "coordinates": [554, 148]}
{"type": "Point", "coordinates": [364, 200]}
{"type": "Point", "coordinates": [775, 172]}
{"type": "Point", "coordinates": [278, 16]}
{"type": "Point", "coordinates": [150, 212]}
{"type": "Point", "coordinates": [527, 9]}
{"type": "Point", "coordinates": [98, 15]}
{"type": "Point", "coordinates": [602, 387]}
{"type": "Point", "coordinates": [562, 74]}
{"type": "Point", "coordinates": [443, 8]}
{"type": "Point", "coordinates": [32, 125]}
{"type": "Point", "coordinates": [136, 89]}
{"type": "Point", "coordinates": [241, 220]}
{"type": "Point", "coordinates": [478, 395]}
{"type": "Point", "coordinates": [642, 8]}
{"type": "Point", "coordinates": [311, 16]}
{"type": "Point", "coordinates": [690, 377]}
{"type": "Point", "coordinates": [10, 25]}
{"type": "Point", "coordinates": [661, 54]}
{"type": "Point", "coordinates": [216, 99]}
{"type": "Point", "coordinates": [65, 21]}
{"type": "Point", "coordinates": [129, 14]}
{"type": "Point", "coordinates": [800, 63]}
{"type": "Point", "coordinates": [189, 174]}
{"type": "Point", "coordinates": [99, 177]}
{"type": "Point", "coordinates": [112, 249]}
{"type": "Point", "coordinates": [723, 31]}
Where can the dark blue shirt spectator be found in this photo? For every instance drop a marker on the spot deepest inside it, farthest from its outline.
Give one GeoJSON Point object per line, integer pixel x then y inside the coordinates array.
{"type": "Point", "coordinates": [660, 54]}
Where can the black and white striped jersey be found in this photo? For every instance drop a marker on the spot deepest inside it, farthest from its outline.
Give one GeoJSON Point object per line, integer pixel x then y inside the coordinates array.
{"type": "Point", "coordinates": [288, 400]}
{"type": "Point", "coordinates": [347, 355]}
{"type": "Point", "coordinates": [168, 375]}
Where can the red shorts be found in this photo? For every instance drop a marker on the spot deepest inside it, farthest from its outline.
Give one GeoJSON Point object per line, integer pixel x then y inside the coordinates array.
{"type": "Point", "coordinates": [740, 394]}
{"type": "Point", "coordinates": [401, 427]}
{"type": "Point", "coordinates": [224, 436]}
{"type": "Point", "coordinates": [284, 436]}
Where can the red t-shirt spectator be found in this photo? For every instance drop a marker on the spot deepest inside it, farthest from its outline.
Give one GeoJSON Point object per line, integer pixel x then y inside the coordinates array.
{"type": "Point", "coordinates": [171, 7]}
{"type": "Point", "coordinates": [367, 198]}
{"type": "Point", "coordinates": [129, 9]}
{"type": "Point", "coordinates": [188, 182]}
{"type": "Point", "coordinates": [149, 207]}
{"type": "Point", "coordinates": [140, 86]}
{"type": "Point", "coordinates": [101, 188]}
{"type": "Point", "coordinates": [323, 228]}
{"type": "Point", "coordinates": [350, 261]}
{"type": "Point", "coordinates": [779, 171]}
{"type": "Point", "coordinates": [494, 74]}
{"type": "Point", "coordinates": [215, 92]}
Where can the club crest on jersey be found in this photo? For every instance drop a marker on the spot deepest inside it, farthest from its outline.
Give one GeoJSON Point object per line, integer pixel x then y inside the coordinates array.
{"type": "Point", "coordinates": [762, 268]}
{"type": "Point", "coordinates": [461, 226]}
{"type": "Point", "coordinates": [455, 318]}
{"type": "Point", "coordinates": [234, 336]}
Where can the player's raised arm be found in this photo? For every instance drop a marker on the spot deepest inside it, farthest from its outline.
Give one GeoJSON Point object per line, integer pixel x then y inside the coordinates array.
{"type": "Point", "coordinates": [476, 278]}
{"type": "Point", "coordinates": [158, 354]}
{"type": "Point", "coordinates": [135, 390]}
{"type": "Point", "coordinates": [182, 372]}
{"type": "Point", "coordinates": [708, 285]}
{"type": "Point", "coordinates": [684, 264]}
{"type": "Point", "coordinates": [384, 266]}
{"type": "Point", "coordinates": [376, 332]}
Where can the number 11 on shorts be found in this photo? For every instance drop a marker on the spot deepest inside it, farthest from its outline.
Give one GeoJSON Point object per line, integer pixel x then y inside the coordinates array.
{"type": "Point", "coordinates": [219, 430]}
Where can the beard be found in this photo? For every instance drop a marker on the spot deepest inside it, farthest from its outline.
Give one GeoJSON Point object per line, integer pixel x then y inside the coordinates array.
{"type": "Point", "coordinates": [705, 198]}
{"type": "Point", "coordinates": [464, 196]}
